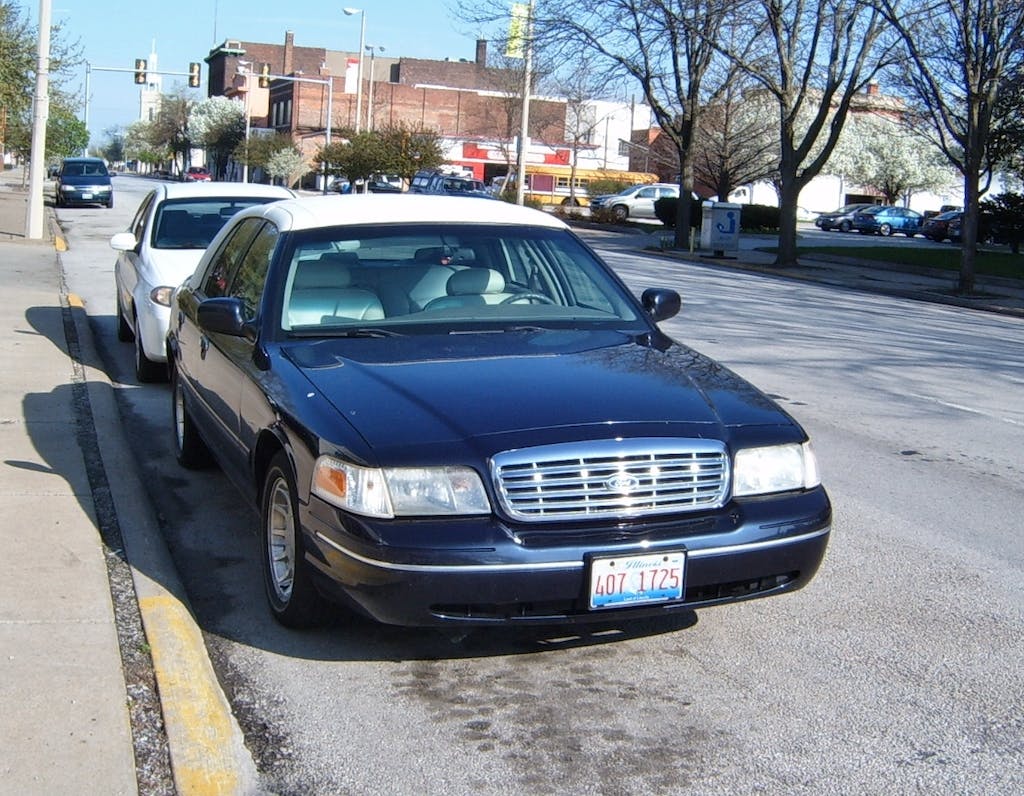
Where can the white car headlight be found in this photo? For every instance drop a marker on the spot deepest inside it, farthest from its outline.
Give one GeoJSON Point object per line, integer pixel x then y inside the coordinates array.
{"type": "Point", "coordinates": [399, 491]}
{"type": "Point", "coordinates": [162, 295]}
{"type": "Point", "coordinates": [778, 468]}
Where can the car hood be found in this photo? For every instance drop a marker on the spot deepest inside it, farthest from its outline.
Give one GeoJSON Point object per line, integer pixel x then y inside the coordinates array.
{"type": "Point", "coordinates": [170, 266]}
{"type": "Point", "coordinates": [504, 390]}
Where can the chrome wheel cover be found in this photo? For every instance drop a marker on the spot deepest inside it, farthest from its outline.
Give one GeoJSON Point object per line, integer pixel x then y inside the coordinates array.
{"type": "Point", "coordinates": [280, 540]}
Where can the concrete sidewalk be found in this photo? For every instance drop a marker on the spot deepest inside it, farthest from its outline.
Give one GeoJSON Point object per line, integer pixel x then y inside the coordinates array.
{"type": "Point", "coordinates": [86, 560]}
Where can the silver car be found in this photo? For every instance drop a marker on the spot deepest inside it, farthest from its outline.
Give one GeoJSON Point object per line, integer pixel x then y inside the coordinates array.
{"type": "Point", "coordinates": [637, 201]}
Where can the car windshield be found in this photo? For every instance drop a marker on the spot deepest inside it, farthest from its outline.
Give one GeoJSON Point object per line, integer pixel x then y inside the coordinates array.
{"type": "Point", "coordinates": [451, 277]}
{"type": "Point", "coordinates": [193, 223]}
{"type": "Point", "coordinates": [81, 169]}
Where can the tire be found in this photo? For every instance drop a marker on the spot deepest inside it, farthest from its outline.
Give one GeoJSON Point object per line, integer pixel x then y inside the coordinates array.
{"type": "Point", "coordinates": [110, 203]}
{"type": "Point", "coordinates": [621, 212]}
{"type": "Point", "coordinates": [845, 226]}
{"type": "Point", "coordinates": [124, 329]}
{"type": "Point", "coordinates": [885, 230]}
{"type": "Point", "coordinates": [146, 370]}
{"type": "Point", "coordinates": [189, 448]}
{"type": "Point", "coordinates": [293, 599]}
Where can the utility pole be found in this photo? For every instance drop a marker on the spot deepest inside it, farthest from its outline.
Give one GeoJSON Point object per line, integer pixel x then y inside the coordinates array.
{"type": "Point", "coordinates": [40, 113]}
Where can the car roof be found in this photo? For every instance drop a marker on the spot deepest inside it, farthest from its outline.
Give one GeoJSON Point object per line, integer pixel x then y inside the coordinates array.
{"type": "Point", "coordinates": [83, 160]}
{"type": "Point", "coordinates": [192, 190]}
{"type": "Point", "coordinates": [350, 209]}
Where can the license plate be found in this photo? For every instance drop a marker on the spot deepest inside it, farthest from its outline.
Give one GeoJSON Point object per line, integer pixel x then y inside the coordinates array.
{"type": "Point", "coordinates": [637, 580]}
{"type": "Point", "coordinates": [87, 196]}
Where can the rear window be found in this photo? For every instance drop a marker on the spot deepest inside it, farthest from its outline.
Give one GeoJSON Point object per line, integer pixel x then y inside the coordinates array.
{"type": "Point", "coordinates": [193, 223]}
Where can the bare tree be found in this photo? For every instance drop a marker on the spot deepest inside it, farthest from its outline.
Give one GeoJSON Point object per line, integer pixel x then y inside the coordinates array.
{"type": "Point", "coordinates": [667, 46]}
{"type": "Point", "coordinates": [580, 87]}
{"type": "Point", "coordinates": [734, 146]}
{"type": "Point", "coordinates": [963, 55]}
{"type": "Point", "coordinates": [812, 59]}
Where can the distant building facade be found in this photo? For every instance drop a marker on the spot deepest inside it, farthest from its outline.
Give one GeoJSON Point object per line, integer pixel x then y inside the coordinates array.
{"type": "Point", "coordinates": [474, 107]}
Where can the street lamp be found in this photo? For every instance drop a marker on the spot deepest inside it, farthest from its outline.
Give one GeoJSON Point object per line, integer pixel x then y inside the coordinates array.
{"type": "Point", "coordinates": [359, 82]}
{"type": "Point", "coordinates": [247, 73]}
{"type": "Point", "coordinates": [372, 49]}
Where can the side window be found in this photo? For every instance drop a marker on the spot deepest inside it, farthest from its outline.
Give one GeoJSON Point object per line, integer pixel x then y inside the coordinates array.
{"type": "Point", "coordinates": [648, 193]}
{"type": "Point", "coordinates": [138, 224]}
{"type": "Point", "coordinates": [225, 262]}
{"type": "Point", "coordinates": [252, 273]}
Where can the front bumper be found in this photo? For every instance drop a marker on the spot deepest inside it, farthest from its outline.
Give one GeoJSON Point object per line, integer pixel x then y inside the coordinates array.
{"type": "Point", "coordinates": [86, 194]}
{"type": "Point", "coordinates": [749, 549]}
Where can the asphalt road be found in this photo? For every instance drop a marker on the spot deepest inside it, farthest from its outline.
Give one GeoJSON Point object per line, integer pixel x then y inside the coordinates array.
{"type": "Point", "coordinates": [897, 670]}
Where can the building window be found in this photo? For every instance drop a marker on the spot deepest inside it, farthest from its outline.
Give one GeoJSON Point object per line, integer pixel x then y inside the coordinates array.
{"type": "Point", "coordinates": [623, 148]}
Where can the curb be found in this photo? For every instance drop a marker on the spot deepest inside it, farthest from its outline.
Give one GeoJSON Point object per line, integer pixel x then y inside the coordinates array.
{"type": "Point", "coordinates": [207, 747]}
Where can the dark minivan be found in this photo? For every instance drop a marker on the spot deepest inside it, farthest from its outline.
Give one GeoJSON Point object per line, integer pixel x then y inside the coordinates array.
{"type": "Point", "coordinates": [84, 181]}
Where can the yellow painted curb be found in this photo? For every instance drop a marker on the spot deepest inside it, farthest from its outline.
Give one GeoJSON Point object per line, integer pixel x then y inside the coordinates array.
{"type": "Point", "coordinates": [74, 300]}
{"type": "Point", "coordinates": [196, 714]}
{"type": "Point", "coordinates": [60, 244]}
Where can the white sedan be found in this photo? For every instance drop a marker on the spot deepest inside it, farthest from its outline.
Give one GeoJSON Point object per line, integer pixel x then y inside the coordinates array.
{"type": "Point", "coordinates": [170, 231]}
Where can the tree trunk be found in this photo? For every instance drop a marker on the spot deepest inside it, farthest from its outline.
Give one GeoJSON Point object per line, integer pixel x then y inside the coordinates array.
{"type": "Point", "coordinates": [788, 197]}
{"type": "Point", "coordinates": [969, 229]}
{"type": "Point", "coordinates": [683, 206]}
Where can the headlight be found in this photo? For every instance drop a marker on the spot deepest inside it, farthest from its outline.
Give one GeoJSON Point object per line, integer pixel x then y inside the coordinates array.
{"type": "Point", "coordinates": [399, 491]}
{"type": "Point", "coordinates": [779, 468]}
{"type": "Point", "coordinates": [162, 295]}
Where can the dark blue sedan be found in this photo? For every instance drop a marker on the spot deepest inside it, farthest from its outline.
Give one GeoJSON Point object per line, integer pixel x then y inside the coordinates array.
{"type": "Point", "coordinates": [450, 411]}
{"type": "Point", "coordinates": [886, 220]}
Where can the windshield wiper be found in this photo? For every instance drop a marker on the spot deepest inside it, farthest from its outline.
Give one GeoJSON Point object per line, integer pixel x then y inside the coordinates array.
{"type": "Point", "coordinates": [330, 331]}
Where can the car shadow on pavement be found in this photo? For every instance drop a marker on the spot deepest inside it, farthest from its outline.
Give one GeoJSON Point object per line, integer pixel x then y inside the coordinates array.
{"type": "Point", "coordinates": [225, 589]}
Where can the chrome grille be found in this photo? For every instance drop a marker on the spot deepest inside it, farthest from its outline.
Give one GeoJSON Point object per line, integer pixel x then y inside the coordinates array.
{"type": "Point", "coordinates": [611, 478]}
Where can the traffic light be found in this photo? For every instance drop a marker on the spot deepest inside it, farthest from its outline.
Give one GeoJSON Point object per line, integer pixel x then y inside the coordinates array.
{"type": "Point", "coordinates": [264, 76]}
{"type": "Point", "coordinates": [140, 71]}
{"type": "Point", "coordinates": [193, 75]}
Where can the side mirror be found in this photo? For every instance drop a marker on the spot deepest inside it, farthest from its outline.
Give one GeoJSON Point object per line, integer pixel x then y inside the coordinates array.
{"type": "Point", "coordinates": [661, 303]}
{"type": "Point", "coordinates": [123, 242]}
{"type": "Point", "coordinates": [224, 315]}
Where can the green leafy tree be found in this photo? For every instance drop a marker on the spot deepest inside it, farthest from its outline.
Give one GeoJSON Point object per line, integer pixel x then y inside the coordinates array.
{"type": "Point", "coordinates": [398, 149]}
{"type": "Point", "coordinates": [113, 148]}
{"type": "Point", "coordinates": [259, 149]}
{"type": "Point", "coordinates": [170, 131]}
{"type": "Point", "coordinates": [1007, 211]}
{"type": "Point", "coordinates": [18, 47]}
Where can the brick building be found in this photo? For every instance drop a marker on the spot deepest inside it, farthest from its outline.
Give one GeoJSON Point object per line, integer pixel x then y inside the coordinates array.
{"type": "Point", "coordinates": [471, 105]}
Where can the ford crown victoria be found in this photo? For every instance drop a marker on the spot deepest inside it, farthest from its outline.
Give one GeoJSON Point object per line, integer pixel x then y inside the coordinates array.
{"type": "Point", "coordinates": [450, 411]}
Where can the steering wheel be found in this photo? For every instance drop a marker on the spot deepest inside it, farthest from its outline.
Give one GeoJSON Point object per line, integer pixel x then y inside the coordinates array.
{"type": "Point", "coordinates": [528, 297]}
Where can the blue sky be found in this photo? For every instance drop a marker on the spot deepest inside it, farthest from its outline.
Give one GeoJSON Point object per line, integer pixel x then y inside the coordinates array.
{"type": "Point", "coordinates": [114, 34]}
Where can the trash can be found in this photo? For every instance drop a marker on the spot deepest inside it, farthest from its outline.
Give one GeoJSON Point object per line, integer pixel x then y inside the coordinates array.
{"type": "Point", "coordinates": [720, 227]}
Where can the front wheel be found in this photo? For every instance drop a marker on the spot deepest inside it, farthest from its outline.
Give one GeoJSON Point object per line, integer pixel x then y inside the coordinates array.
{"type": "Point", "coordinates": [124, 329]}
{"type": "Point", "coordinates": [845, 226]}
{"type": "Point", "coordinates": [293, 598]}
{"type": "Point", "coordinates": [885, 230]}
{"type": "Point", "coordinates": [189, 448]}
{"type": "Point", "coordinates": [621, 212]}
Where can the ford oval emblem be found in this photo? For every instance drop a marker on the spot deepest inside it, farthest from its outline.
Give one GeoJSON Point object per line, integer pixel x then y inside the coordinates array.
{"type": "Point", "coordinates": [622, 483]}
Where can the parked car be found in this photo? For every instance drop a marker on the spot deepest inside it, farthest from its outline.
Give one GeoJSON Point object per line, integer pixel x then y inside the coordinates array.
{"type": "Point", "coordinates": [83, 181]}
{"type": "Point", "coordinates": [937, 227]}
{"type": "Point", "coordinates": [454, 413]}
{"type": "Point", "coordinates": [197, 174]}
{"type": "Point", "coordinates": [886, 219]}
{"type": "Point", "coordinates": [841, 218]}
{"type": "Point", "coordinates": [382, 186]}
{"type": "Point", "coordinates": [636, 201]}
{"type": "Point", "coordinates": [172, 226]}
{"type": "Point", "coordinates": [433, 181]}
{"type": "Point", "coordinates": [988, 229]}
